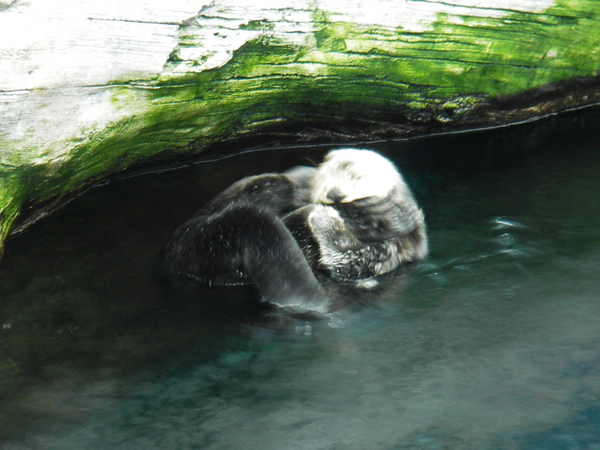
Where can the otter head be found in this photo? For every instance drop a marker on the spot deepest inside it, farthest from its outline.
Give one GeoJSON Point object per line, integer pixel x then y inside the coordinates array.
{"type": "Point", "coordinates": [348, 175]}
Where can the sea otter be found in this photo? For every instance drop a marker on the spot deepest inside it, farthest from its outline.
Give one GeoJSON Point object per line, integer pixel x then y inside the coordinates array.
{"type": "Point", "coordinates": [351, 219]}
{"type": "Point", "coordinates": [362, 221]}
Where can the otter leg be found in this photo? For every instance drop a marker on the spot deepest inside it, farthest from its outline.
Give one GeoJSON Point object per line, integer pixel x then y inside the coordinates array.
{"type": "Point", "coordinates": [277, 265]}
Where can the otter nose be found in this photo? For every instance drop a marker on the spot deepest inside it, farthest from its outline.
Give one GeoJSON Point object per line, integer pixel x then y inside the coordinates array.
{"type": "Point", "coordinates": [335, 195]}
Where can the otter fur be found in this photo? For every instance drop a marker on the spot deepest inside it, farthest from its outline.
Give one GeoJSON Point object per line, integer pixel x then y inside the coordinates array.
{"type": "Point", "coordinates": [240, 238]}
{"type": "Point", "coordinates": [350, 220]}
{"type": "Point", "coordinates": [362, 221]}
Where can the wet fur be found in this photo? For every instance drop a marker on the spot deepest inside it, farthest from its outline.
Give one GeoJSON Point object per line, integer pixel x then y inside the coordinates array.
{"type": "Point", "coordinates": [363, 220]}
{"type": "Point", "coordinates": [239, 238]}
{"type": "Point", "coordinates": [350, 220]}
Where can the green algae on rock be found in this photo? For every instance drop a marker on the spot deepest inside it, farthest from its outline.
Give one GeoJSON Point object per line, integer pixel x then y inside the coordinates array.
{"type": "Point", "coordinates": [145, 87]}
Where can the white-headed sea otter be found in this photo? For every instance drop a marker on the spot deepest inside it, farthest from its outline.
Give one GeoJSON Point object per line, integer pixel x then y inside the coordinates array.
{"type": "Point", "coordinates": [351, 219]}
{"type": "Point", "coordinates": [362, 221]}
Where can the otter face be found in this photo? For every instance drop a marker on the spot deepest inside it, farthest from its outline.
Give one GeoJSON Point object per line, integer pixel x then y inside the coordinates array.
{"type": "Point", "coordinates": [350, 174]}
{"type": "Point", "coordinates": [369, 194]}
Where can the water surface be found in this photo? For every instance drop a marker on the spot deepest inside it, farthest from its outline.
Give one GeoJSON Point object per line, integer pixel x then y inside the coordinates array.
{"type": "Point", "coordinates": [493, 343]}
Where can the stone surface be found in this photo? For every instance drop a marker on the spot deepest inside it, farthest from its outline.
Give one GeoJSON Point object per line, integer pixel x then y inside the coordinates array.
{"type": "Point", "coordinates": [89, 90]}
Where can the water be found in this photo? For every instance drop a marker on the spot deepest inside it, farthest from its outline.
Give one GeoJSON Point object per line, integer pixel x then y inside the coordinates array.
{"type": "Point", "coordinates": [493, 343]}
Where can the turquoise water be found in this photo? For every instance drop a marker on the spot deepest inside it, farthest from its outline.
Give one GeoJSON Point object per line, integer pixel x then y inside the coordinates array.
{"type": "Point", "coordinates": [493, 343]}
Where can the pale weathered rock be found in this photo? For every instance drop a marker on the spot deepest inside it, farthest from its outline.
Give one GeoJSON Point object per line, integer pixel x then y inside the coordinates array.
{"type": "Point", "coordinates": [91, 89]}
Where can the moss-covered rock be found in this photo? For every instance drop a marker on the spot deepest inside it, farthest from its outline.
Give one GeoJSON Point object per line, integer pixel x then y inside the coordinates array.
{"type": "Point", "coordinates": [108, 91]}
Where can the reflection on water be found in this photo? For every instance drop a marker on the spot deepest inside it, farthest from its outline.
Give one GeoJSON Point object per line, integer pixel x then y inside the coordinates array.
{"type": "Point", "coordinates": [493, 343]}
